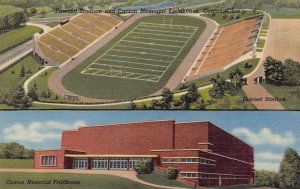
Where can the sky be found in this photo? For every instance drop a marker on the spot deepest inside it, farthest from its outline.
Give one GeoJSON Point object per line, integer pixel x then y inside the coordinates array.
{"type": "Point", "coordinates": [269, 132]}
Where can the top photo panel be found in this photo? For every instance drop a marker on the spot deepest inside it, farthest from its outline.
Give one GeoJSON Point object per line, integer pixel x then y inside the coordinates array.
{"type": "Point", "coordinates": [150, 54]}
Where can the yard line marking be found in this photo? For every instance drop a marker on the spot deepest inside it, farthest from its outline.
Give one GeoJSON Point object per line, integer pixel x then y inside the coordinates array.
{"type": "Point", "coordinates": [148, 23]}
{"type": "Point", "coordinates": [137, 58]}
{"type": "Point", "coordinates": [145, 48]}
{"type": "Point", "coordinates": [152, 44]}
{"type": "Point", "coordinates": [160, 34]}
{"type": "Point", "coordinates": [163, 31]}
{"type": "Point", "coordinates": [125, 67]}
{"type": "Point", "coordinates": [141, 52]}
{"type": "Point", "coordinates": [155, 65]}
{"type": "Point", "coordinates": [134, 37]}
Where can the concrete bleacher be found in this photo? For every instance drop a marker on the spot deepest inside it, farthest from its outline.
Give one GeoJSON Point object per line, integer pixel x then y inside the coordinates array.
{"type": "Point", "coordinates": [64, 41]}
{"type": "Point", "coordinates": [227, 44]}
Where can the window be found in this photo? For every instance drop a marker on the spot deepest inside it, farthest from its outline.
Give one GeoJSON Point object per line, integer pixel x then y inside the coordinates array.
{"type": "Point", "coordinates": [118, 163]}
{"type": "Point", "coordinates": [199, 175]}
{"type": "Point", "coordinates": [48, 161]}
{"type": "Point", "coordinates": [99, 163]}
{"type": "Point", "coordinates": [80, 163]}
{"type": "Point", "coordinates": [133, 161]}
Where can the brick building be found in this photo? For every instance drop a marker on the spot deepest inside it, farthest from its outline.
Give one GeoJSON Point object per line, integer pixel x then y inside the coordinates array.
{"type": "Point", "coordinates": [204, 153]}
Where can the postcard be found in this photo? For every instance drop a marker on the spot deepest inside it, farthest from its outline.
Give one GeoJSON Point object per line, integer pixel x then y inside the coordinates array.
{"type": "Point", "coordinates": [175, 54]}
{"type": "Point", "coordinates": [149, 149]}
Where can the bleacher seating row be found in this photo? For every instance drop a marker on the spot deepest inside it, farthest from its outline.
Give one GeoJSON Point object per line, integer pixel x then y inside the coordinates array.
{"type": "Point", "coordinates": [227, 44]}
{"type": "Point", "coordinates": [65, 41]}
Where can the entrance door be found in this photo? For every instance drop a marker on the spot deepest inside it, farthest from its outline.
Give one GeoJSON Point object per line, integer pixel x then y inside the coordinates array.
{"type": "Point", "coordinates": [99, 163]}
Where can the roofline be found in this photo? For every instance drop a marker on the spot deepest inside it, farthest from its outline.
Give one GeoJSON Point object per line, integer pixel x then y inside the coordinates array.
{"type": "Point", "coordinates": [232, 135]}
{"type": "Point", "coordinates": [124, 123]}
{"type": "Point", "coordinates": [196, 121]}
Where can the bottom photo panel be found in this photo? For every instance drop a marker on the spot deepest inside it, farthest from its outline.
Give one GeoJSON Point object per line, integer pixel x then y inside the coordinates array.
{"type": "Point", "coordinates": [149, 150]}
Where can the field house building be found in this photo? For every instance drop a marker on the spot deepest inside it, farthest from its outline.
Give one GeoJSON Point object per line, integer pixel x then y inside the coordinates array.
{"type": "Point", "coordinates": [204, 153]}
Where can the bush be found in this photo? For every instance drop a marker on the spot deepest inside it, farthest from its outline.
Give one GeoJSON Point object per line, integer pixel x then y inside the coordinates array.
{"type": "Point", "coordinates": [172, 173]}
{"type": "Point", "coordinates": [144, 167]}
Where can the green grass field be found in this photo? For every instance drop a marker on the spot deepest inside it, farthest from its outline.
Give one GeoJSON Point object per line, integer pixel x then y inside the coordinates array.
{"type": "Point", "coordinates": [225, 74]}
{"type": "Point", "coordinates": [52, 24]}
{"type": "Point", "coordinates": [90, 181]}
{"type": "Point", "coordinates": [148, 65]}
{"type": "Point", "coordinates": [7, 9]}
{"type": "Point", "coordinates": [290, 93]}
{"type": "Point", "coordinates": [10, 78]}
{"type": "Point", "coordinates": [261, 43]}
{"type": "Point", "coordinates": [16, 37]}
{"type": "Point", "coordinates": [16, 163]}
{"type": "Point", "coordinates": [230, 17]}
{"type": "Point", "coordinates": [41, 83]}
{"type": "Point", "coordinates": [160, 179]}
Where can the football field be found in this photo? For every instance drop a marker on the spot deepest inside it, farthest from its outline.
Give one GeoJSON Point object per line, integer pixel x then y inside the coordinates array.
{"type": "Point", "coordinates": [137, 62]}
{"type": "Point", "coordinates": [145, 53]}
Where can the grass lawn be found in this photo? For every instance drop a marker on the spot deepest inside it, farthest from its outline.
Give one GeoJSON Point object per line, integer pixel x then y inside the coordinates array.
{"type": "Point", "coordinates": [90, 181]}
{"type": "Point", "coordinates": [218, 17]}
{"type": "Point", "coordinates": [283, 12]}
{"type": "Point", "coordinates": [225, 74]}
{"type": "Point", "coordinates": [41, 83]}
{"type": "Point", "coordinates": [266, 24]}
{"type": "Point", "coordinates": [291, 94]}
{"type": "Point", "coordinates": [10, 78]}
{"type": "Point", "coordinates": [16, 163]}
{"type": "Point", "coordinates": [160, 179]}
{"type": "Point", "coordinates": [16, 37]}
{"type": "Point", "coordinates": [52, 24]}
{"type": "Point", "coordinates": [237, 187]}
{"type": "Point", "coordinates": [7, 9]}
{"type": "Point", "coordinates": [120, 88]}
{"type": "Point", "coordinates": [56, 107]}
{"type": "Point", "coordinates": [261, 43]}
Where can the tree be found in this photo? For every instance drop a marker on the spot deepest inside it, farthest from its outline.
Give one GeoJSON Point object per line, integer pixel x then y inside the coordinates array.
{"type": "Point", "coordinates": [132, 105]}
{"type": "Point", "coordinates": [289, 172]}
{"type": "Point", "coordinates": [22, 71]}
{"type": "Point", "coordinates": [172, 173]}
{"type": "Point", "coordinates": [274, 71]}
{"type": "Point", "coordinates": [219, 87]}
{"type": "Point", "coordinates": [33, 11]}
{"type": "Point", "coordinates": [167, 98]}
{"type": "Point", "coordinates": [18, 98]}
{"type": "Point", "coordinates": [236, 77]}
{"type": "Point", "coordinates": [190, 97]}
{"type": "Point", "coordinates": [292, 72]}
{"type": "Point", "coordinates": [266, 179]}
{"type": "Point", "coordinates": [43, 13]}
{"type": "Point", "coordinates": [33, 94]}
{"type": "Point", "coordinates": [15, 151]}
{"type": "Point", "coordinates": [144, 167]}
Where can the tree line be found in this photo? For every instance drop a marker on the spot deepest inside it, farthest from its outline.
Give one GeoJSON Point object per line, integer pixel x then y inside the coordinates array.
{"type": "Point", "coordinates": [15, 151]}
{"type": "Point", "coordinates": [280, 73]}
{"type": "Point", "coordinates": [13, 20]}
{"type": "Point", "coordinates": [288, 176]}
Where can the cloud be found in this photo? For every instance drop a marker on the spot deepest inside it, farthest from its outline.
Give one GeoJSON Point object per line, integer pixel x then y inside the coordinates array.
{"type": "Point", "coordinates": [268, 156]}
{"type": "Point", "coordinates": [269, 166]}
{"type": "Point", "coordinates": [38, 131]}
{"type": "Point", "coordinates": [265, 136]}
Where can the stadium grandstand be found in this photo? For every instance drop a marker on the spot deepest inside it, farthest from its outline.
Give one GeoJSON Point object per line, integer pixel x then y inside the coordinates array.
{"type": "Point", "coordinates": [69, 38]}
{"type": "Point", "coordinates": [227, 44]}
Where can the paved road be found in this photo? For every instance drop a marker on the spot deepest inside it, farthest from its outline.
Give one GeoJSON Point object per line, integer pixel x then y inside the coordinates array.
{"type": "Point", "coordinates": [5, 57]}
{"type": "Point", "coordinates": [257, 91]}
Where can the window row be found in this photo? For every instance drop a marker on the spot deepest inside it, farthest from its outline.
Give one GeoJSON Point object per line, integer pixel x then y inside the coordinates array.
{"type": "Point", "coordinates": [48, 161]}
{"type": "Point", "coordinates": [199, 175]}
{"type": "Point", "coordinates": [189, 160]}
{"type": "Point", "coordinates": [105, 163]}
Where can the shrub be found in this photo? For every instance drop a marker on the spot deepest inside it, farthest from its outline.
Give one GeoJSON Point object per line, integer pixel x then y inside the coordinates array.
{"type": "Point", "coordinates": [144, 167]}
{"type": "Point", "coordinates": [172, 173]}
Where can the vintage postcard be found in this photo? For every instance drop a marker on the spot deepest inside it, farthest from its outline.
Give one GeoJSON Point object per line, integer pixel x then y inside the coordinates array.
{"type": "Point", "coordinates": [149, 150]}
{"type": "Point", "coordinates": [150, 54]}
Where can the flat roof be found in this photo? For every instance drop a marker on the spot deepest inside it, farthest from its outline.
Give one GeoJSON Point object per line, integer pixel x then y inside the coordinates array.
{"type": "Point", "coordinates": [110, 155]}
